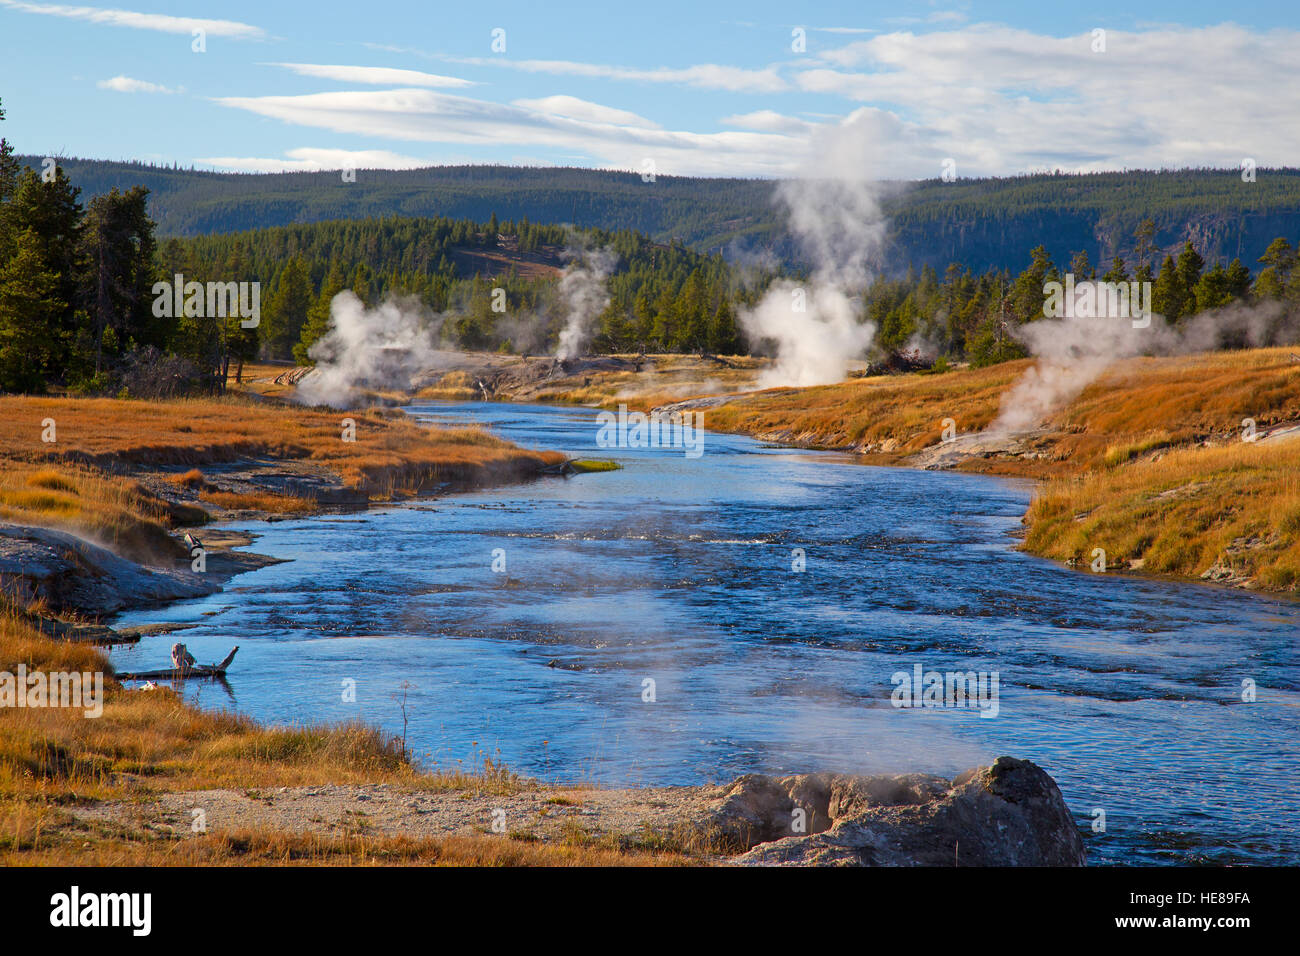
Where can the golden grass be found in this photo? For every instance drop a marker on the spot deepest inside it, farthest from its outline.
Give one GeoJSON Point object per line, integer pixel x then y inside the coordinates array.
{"type": "Point", "coordinates": [265, 501]}
{"type": "Point", "coordinates": [666, 378]}
{"type": "Point", "coordinates": [149, 742]}
{"type": "Point", "coordinates": [1181, 513]}
{"type": "Point", "coordinates": [156, 736]}
{"type": "Point", "coordinates": [1139, 404]}
{"type": "Point", "coordinates": [905, 409]}
{"type": "Point", "coordinates": [44, 842]}
{"type": "Point", "coordinates": [390, 453]}
{"type": "Point", "coordinates": [67, 483]}
{"type": "Point", "coordinates": [118, 512]}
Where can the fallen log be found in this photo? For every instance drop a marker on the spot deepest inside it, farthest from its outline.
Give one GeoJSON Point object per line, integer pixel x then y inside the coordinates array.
{"type": "Point", "coordinates": [184, 673]}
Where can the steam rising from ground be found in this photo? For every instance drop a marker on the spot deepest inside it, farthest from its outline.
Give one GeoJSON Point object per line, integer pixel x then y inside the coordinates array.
{"type": "Point", "coordinates": [1072, 353]}
{"type": "Point", "coordinates": [834, 214]}
{"type": "Point", "coordinates": [383, 347]}
{"type": "Point", "coordinates": [583, 297]}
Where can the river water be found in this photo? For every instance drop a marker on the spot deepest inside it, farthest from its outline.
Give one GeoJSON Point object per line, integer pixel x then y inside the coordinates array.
{"type": "Point", "coordinates": [686, 620]}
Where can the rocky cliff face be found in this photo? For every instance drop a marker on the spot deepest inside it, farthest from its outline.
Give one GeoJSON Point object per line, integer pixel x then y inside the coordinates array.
{"type": "Point", "coordinates": [1008, 814]}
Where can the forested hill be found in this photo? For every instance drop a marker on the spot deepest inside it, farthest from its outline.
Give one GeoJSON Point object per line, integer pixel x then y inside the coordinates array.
{"type": "Point", "coordinates": [702, 213]}
{"type": "Point", "coordinates": [980, 223]}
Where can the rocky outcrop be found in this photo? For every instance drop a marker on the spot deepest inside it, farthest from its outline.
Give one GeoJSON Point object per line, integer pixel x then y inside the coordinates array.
{"type": "Point", "coordinates": [950, 454]}
{"type": "Point", "coordinates": [1008, 814]}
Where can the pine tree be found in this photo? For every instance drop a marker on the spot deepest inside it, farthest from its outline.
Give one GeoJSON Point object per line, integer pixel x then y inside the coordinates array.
{"type": "Point", "coordinates": [51, 212]}
{"type": "Point", "coordinates": [8, 183]}
{"type": "Point", "coordinates": [117, 247]}
{"type": "Point", "coordinates": [1279, 262]}
{"type": "Point", "coordinates": [1081, 267]}
{"type": "Point", "coordinates": [724, 338]}
{"type": "Point", "coordinates": [1027, 294]}
{"type": "Point", "coordinates": [30, 313]}
{"type": "Point", "coordinates": [1238, 280]}
{"type": "Point", "coordinates": [1169, 295]}
{"type": "Point", "coordinates": [1145, 245]}
{"type": "Point", "coordinates": [1212, 289]}
{"type": "Point", "coordinates": [318, 317]}
{"type": "Point", "coordinates": [286, 312]}
{"type": "Point", "coordinates": [1190, 265]}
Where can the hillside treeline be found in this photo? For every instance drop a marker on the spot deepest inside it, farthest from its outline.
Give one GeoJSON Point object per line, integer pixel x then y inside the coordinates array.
{"type": "Point", "coordinates": [79, 308]}
{"type": "Point", "coordinates": [983, 223]}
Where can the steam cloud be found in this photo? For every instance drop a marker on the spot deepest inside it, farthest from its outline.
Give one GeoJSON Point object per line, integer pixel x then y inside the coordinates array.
{"type": "Point", "coordinates": [583, 296]}
{"type": "Point", "coordinates": [834, 214]}
{"type": "Point", "coordinates": [1072, 353]}
{"type": "Point", "coordinates": [383, 347]}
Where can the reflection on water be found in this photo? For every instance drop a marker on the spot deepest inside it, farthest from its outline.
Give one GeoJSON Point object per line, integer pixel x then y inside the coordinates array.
{"type": "Point", "coordinates": [679, 572]}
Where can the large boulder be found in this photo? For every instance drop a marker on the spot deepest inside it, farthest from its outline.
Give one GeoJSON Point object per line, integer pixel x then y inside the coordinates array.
{"type": "Point", "coordinates": [1008, 814]}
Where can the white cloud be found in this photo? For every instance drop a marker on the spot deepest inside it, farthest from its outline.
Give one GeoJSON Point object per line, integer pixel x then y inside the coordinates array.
{"type": "Point", "coordinates": [998, 100]}
{"type": "Point", "coordinates": [375, 75]}
{"type": "Point", "coordinates": [1002, 100]}
{"type": "Point", "coordinates": [769, 121]}
{"type": "Point", "coordinates": [710, 76]}
{"type": "Point", "coordinates": [428, 116]}
{"type": "Point", "coordinates": [588, 112]}
{"type": "Point", "coordinates": [142, 21]}
{"type": "Point", "coordinates": [125, 84]}
{"type": "Point", "coordinates": [309, 159]}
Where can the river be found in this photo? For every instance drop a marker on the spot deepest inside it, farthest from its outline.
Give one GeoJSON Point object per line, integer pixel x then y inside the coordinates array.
{"type": "Point", "coordinates": [685, 620]}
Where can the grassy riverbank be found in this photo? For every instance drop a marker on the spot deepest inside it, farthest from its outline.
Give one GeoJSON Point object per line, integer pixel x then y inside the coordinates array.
{"type": "Point", "coordinates": [116, 474]}
{"type": "Point", "coordinates": [115, 470]}
{"type": "Point", "coordinates": [148, 744]}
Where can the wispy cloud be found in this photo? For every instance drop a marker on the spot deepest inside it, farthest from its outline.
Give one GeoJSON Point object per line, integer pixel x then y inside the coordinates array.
{"type": "Point", "coordinates": [712, 76]}
{"type": "Point", "coordinates": [159, 22]}
{"type": "Point", "coordinates": [586, 111]}
{"type": "Point", "coordinates": [429, 116]}
{"type": "Point", "coordinates": [769, 121]}
{"type": "Point", "coordinates": [310, 159]}
{"type": "Point", "coordinates": [375, 75]}
{"type": "Point", "coordinates": [125, 84]}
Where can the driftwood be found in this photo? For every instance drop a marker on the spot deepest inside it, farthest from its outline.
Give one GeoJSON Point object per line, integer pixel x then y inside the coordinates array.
{"type": "Point", "coordinates": [564, 468]}
{"type": "Point", "coordinates": [184, 673]}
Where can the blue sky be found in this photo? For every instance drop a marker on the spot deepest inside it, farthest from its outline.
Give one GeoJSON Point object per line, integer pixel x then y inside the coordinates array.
{"type": "Point", "coordinates": [691, 88]}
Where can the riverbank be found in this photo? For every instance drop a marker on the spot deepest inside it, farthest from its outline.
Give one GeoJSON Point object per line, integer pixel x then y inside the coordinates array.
{"type": "Point", "coordinates": [96, 492]}
{"type": "Point", "coordinates": [153, 781]}
{"type": "Point", "coordinates": [94, 496]}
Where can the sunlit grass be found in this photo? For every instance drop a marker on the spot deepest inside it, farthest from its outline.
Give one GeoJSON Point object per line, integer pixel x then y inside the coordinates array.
{"type": "Point", "coordinates": [1181, 513]}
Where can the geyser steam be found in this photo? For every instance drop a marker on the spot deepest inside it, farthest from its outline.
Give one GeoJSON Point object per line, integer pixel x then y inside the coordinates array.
{"type": "Point", "coordinates": [583, 297]}
{"type": "Point", "coordinates": [381, 347]}
{"type": "Point", "coordinates": [1072, 353]}
{"type": "Point", "coordinates": [834, 214]}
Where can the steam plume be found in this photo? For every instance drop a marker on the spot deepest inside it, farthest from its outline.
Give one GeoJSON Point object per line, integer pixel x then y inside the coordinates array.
{"type": "Point", "coordinates": [381, 347]}
{"type": "Point", "coordinates": [834, 215]}
{"type": "Point", "coordinates": [1072, 353]}
{"type": "Point", "coordinates": [583, 296]}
